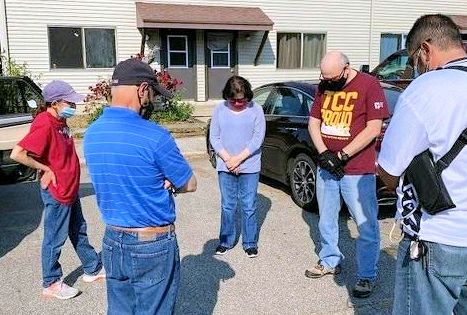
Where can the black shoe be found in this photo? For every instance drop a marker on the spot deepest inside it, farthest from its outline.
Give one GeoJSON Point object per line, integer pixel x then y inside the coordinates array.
{"type": "Point", "coordinates": [363, 288]}
{"type": "Point", "coordinates": [221, 250]}
{"type": "Point", "coordinates": [251, 252]}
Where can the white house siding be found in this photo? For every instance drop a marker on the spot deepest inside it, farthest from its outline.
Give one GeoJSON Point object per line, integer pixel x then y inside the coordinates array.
{"type": "Point", "coordinates": [28, 39]}
{"type": "Point", "coordinates": [398, 16]}
{"type": "Point", "coordinates": [341, 21]}
{"type": "Point", "coordinates": [346, 23]}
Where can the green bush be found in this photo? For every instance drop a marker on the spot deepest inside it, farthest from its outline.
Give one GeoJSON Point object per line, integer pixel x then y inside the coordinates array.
{"type": "Point", "coordinates": [176, 111]}
{"type": "Point", "coordinates": [94, 110]}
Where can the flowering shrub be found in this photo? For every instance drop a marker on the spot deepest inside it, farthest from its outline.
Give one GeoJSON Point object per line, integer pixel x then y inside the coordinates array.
{"type": "Point", "coordinates": [100, 95]}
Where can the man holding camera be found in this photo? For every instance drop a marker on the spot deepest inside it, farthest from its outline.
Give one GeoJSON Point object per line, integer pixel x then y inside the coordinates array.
{"type": "Point", "coordinates": [135, 166]}
{"type": "Point", "coordinates": [431, 276]}
{"type": "Point", "coordinates": [345, 119]}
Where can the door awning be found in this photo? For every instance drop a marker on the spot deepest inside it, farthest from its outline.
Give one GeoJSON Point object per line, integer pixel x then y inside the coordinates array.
{"type": "Point", "coordinates": [461, 21]}
{"type": "Point", "coordinates": [157, 15]}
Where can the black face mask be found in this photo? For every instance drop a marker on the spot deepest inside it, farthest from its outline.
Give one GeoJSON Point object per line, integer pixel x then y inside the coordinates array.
{"type": "Point", "coordinates": [146, 111]}
{"type": "Point", "coordinates": [330, 85]}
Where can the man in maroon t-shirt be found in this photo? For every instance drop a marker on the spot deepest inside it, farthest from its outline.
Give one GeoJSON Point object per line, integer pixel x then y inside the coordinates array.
{"type": "Point", "coordinates": [49, 148]}
{"type": "Point", "coordinates": [346, 118]}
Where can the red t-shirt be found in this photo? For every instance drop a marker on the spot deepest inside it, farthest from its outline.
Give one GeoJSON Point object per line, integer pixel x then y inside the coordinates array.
{"type": "Point", "coordinates": [344, 115]}
{"type": "Point", "coordinates": [49, 141]}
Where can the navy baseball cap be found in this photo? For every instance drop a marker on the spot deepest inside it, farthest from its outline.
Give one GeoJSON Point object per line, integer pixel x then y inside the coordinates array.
{"type": "Point", "coordinates": [58, 90]}
{"type": "Point", "coordinates": [134, 72]}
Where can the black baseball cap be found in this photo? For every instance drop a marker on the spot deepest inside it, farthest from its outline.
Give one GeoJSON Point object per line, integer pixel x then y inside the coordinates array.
{"type": "Point", "coordinates": [134, 72]}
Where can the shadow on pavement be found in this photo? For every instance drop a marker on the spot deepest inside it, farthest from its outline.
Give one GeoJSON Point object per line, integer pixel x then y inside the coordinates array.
{"type": "Point", "coordinates": [200, 281]}
{"type": "Point", "coordinates": [20, 214]}
{"type": "Point", "coordinates": [21, 210]}
{"type": "Point", "coordinates": [86, 189]}
{"type": "Point", "coordinates": [380, 302]}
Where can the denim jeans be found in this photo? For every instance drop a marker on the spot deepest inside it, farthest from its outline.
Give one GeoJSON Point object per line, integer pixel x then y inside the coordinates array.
{"type": "Point", "coordinates": [434, 285]}
{"type": "Point", "coordinates": [359, 193]}
{"type": "Point", "coordinates": [62, 221]}
{"type": "Point", "coordinates": [143, 276]}
{"type": "Point", "coordinates": [238, 189]}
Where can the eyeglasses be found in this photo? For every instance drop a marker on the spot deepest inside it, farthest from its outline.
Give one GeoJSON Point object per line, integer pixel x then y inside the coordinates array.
{"type": "Point", "coordinates": [413, 60]}
{"type": "Point", "coordinates": [71, 104]}
{"type": "Point", "coordinates": [415, 57]}
{"type": "Point", "coordinates": [335, 78]}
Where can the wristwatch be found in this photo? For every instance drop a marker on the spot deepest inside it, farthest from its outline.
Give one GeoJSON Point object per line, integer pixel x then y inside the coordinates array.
{"type": "Point", "coordinates": [344, 156]}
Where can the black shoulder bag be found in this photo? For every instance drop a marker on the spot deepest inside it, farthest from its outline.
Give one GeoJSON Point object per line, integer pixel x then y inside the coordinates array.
{"type": "Point", "coordinates": [425, 175]}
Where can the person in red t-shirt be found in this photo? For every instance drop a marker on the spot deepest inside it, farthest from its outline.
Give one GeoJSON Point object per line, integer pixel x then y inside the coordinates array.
{"type": "Point", "coordinates": [346, 117]}
{"type": "Point", "coordinates": [49, 148]}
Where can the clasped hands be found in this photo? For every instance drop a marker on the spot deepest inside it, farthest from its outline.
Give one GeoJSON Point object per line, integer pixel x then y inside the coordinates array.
{"type": "Point", "coordinates": [332, 163]}
{"type": "Point", "coordinates": [233, 163]}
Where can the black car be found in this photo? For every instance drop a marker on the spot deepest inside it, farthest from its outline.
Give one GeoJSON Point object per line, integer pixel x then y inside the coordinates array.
{"type": "Point", "coordinates": [288, 154]}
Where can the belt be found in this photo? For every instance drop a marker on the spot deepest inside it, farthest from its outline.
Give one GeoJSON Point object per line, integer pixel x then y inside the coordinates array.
{"type": "Point", "coordinates": [149, 230]}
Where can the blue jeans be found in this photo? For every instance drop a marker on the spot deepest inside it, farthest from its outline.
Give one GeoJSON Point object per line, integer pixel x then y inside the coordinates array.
{"type": "Point", "coordinates": [242, 189]}
{"type": "Point", "coordinates": [62, 221]}
{"type": "Point", "coordinates": [359, 193]}
{"type": "Point", "coordinates": [143, 275]}
{"type": "Point", "coordinates": [435, 285]}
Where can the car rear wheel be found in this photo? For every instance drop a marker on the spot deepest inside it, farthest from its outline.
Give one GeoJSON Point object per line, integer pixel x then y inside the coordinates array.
{"type": "Point", "coordinates": [302, 180]}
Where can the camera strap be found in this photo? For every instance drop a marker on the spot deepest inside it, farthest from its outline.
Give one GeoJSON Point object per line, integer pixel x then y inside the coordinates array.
{"type": "Point", "coordinates": [447, 159]}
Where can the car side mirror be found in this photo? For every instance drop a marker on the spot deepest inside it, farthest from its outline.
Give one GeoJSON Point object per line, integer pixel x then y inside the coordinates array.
{"type": "Point", "coordinates": [32, 104]}
{"type": "Point", "coordinates": [365, 68]}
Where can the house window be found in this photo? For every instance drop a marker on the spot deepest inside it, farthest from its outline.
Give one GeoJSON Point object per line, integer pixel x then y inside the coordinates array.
{"type": "Point", "coordinates": [78, 48]}
{"type": "Point", "coordinates": [300, 50]}
{"type": "Point", "coordinates": [100, 48]}
{"type": "Point", "coordinates": [390, 43]}
{"type": "Point", "coordinates": [177, 51]}
{"type": "Point", "coordinates": [220, 57]}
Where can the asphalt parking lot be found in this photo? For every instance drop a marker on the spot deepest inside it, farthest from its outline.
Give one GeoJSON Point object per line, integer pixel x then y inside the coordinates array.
{"type": "Point", "coordinates": [272, 283]}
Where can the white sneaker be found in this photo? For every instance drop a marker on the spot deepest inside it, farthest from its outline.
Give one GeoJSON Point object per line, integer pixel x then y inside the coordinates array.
{"type": "Point", "coordinates": [90, 278]}
{"type": "Point", "coordinates": [60, 290]}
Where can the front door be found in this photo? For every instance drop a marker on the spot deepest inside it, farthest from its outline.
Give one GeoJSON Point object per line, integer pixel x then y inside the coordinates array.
{"type": "Point", "coordinates": [178, 54]}
{"type": "Point", "coordinates": [221, 58]}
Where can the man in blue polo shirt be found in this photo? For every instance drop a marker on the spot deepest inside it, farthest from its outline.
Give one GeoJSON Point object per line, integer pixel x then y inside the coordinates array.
{"type": "Point", "coordinates": [134, 166]}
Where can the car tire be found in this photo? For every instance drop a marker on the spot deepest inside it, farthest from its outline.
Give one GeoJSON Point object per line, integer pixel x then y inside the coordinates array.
{"type": "Point", "coordinates": [302, 181]}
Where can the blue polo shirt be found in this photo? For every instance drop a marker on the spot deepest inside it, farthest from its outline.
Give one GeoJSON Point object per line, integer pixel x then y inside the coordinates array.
{"type": "Point", "coordinates": [128, 160]}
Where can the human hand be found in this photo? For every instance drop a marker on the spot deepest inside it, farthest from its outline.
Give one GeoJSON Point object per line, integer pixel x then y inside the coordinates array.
{"type": "Point", "coordinates": [233, 163]}
{"type": "Point", "coordinates": [236, 171]}
{"type": "Point", "coordinates": [331, 163]}
{"type": "Point", "coordinates": [167, 184]}
{"type": "Point", "coordinates": [48, 177]}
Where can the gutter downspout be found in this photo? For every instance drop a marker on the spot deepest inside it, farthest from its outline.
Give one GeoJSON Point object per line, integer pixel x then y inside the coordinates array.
{"type": "Point", "coordinates": [4, 47]}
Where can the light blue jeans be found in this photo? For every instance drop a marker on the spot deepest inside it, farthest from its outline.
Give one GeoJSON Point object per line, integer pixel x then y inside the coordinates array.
{"type": "Point", "coordinates": [435, 285]}
{"type": "Point", "coordinates": [238, 189]}
{"type": "Point", "coordinates": [359, 193]}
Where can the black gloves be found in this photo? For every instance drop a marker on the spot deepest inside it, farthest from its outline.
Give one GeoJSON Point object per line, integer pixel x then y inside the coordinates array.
{"type": "Point", "coordinates": [331, 163]}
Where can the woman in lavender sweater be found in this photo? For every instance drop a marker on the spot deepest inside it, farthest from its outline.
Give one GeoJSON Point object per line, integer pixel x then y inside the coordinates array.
{"type": "Point", "coordinates": [236, 134]}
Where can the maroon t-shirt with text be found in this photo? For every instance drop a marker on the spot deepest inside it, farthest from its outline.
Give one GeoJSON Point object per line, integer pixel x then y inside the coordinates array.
{"type": "Point", "coordinates": [344, 115]}
{"type": "Point", "coordinates": [49, 141]}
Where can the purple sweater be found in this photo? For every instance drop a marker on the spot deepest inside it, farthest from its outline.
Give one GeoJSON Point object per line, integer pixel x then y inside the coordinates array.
{"type": "Point", "coordinates": [236, 131]}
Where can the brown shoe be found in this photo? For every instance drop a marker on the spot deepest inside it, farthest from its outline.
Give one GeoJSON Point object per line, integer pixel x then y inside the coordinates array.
{"type": "Point", "coordinates": [319, 271]}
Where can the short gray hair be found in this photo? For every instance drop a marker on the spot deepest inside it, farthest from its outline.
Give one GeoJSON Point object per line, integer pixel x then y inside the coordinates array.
{"type": "Point", "coordinates": [438, 29]}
